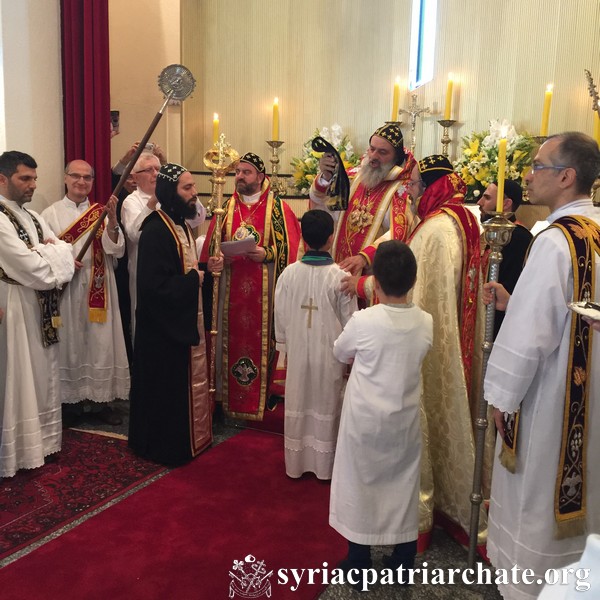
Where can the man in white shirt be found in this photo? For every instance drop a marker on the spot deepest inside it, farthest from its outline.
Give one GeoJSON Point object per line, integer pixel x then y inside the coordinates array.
{"type": "Point", "coordinates": [136, 207]}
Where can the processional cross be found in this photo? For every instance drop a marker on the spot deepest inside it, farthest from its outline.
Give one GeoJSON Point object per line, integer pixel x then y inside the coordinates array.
{"type": "Point", "coordinates": [310, 307]}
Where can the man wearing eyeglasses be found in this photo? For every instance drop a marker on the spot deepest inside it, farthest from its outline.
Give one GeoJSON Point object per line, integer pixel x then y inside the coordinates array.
{"type": "Point", "coordinates": [543, 378]}
{"type": "Point", "coordinates": [93, 359]}
{"type": "Point", "coordinates": [136, 207]}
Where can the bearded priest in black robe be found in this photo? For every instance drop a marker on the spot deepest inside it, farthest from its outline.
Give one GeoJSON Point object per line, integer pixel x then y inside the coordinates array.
{"type": "Point", "coordinates": [170, 415]}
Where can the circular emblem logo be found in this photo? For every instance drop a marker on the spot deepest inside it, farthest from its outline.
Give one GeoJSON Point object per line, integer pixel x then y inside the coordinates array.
{"type": "Point", "coordinates": [249, 578]}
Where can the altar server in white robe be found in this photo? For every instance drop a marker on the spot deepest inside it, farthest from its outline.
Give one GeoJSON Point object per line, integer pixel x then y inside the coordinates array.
{"type": "Point", "coordinates": [33, 262]}
{"type": "Point", "coordinates": [548, 495]}
{"type": "Point", "coordinates": [375, 483]}
{"type": "Point", "coordinates": [310, 313]}
{"type": "Point", "coordinates": [93, 358]}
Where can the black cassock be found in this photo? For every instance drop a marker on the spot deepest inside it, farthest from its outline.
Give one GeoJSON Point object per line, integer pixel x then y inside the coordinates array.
{"type": "Point", "coordinates": [513, 259]}
{"type": "Point", "coordinates": [166, 424]}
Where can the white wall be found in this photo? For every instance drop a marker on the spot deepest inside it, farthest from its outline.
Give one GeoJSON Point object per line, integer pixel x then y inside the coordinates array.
{"type": "Point", "coordinates": [31, 113]}
{"type": "Point", "coordinates": [334, 67]}
{"type": "Point", "coordinates": [339, 65]}
{"type": "Point", "coordinates": [144, 39]}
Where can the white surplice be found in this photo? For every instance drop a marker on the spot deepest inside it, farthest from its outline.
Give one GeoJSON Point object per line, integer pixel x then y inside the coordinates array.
{"type": "Point", "coordinates": [133, 213]}
{"type": "Point", "coordinates": [314, 384]}
{"type": "Point", "coordinates": [93, 358]}
{"type": "Point", "coordinates": [30, 417]}
{"type": "Point", "coordinates": [527, 370]}
{"type": "Point", "coordinates": [375, 483]}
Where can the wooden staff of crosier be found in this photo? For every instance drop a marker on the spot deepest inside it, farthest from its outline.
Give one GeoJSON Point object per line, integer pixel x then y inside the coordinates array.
{"type": "Point", "coordinates": [177, 83]}
{"type": "Point", "coordinates": [220, 159]}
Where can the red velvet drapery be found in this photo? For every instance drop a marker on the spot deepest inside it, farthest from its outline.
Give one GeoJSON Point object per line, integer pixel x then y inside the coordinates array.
{"type": "Point", "coordinates": [86, 88]}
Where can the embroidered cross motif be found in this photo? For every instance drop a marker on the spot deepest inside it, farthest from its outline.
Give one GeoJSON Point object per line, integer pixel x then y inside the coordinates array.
{"type": "Point", "coordinates": [98, 281]}
{"type": "Point", "coordinates": [310, 307]}
{"type": "Point", "coordinates": [244, 371]}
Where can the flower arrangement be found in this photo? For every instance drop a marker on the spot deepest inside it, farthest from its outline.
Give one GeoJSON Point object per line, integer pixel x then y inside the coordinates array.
{"type": "Point", "coordinates": [478, 165]}
{"type": "Point", "coordinates": [307, 166]}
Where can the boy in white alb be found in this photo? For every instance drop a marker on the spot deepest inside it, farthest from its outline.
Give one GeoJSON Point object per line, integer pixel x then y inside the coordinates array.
{"type": "Point", "coordinates": [375, 483]}
{"type": "Point", "coordinates": [310, 313]}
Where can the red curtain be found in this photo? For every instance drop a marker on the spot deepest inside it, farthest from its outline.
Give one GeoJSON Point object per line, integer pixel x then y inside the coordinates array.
{"type": "Point", "coordinates": [86, 88]}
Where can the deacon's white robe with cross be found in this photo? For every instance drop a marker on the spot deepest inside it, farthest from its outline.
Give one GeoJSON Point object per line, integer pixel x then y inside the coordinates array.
{"type": "Point", "coordinates": [375, 483]}
{"type": "Point", "coordinates": [527, 370]}
{"type": "Point", "coordinates": [310, 312]}
{"type": "Point", "coordinates": [30, 418]}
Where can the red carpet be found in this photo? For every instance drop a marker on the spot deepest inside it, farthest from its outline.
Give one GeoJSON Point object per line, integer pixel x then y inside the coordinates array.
{"type": "Point", "coordinates": [89, 471]}
{"type": "Point", "coordinates": [273, 420]}
{"type": "Point", "coordinates": [180, 537]}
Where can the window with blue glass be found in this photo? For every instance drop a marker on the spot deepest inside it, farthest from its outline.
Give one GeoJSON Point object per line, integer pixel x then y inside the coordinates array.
{"type": "Point", "coordinates": [422, 42]}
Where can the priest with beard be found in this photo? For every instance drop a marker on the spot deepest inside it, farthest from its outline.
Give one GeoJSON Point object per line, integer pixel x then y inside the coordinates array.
{"type": "Point", "coordinates": [378, 199]}
{"type": "Point", "coordinates": [170, 415]}
{"type": "Point", "coordinates": [248, 375]}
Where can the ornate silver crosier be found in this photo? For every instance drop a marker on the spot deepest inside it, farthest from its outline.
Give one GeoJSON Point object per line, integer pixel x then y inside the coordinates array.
{"type": "Point", "coordinates": [596, 108]}
{"type": "Point", "coordinates": [497, 233]}
{"type": "Point", "coordinates": [220, 159]}
{"type": "Point", "coordinates": [176, 82]}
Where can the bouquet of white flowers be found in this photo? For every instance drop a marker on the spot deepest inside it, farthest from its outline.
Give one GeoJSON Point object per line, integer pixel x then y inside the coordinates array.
{"type": "Point", "coordinates": [478, 165]}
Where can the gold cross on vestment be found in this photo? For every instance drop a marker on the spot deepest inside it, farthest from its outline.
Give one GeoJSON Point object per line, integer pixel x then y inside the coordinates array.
{"type": "Point", "coordinates": [310, 307]}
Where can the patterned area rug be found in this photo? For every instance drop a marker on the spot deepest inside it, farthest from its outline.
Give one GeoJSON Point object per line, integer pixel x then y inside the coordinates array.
{"type": "Point", "coordinates": [226, 524]}
{"type": "Point", "coordinates": [90, 471]}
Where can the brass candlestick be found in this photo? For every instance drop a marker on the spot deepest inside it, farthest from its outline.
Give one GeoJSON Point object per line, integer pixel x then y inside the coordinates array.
{"type": "Point", "coordinates": [497, 233]}
{"type": "Point", "coordinates": [277, 184]}
{"type": "Point", "coordinates": [414, 111]}
{"type": "Point", "coordinates": [220, 159]}
{"type": "Point", "coordinates": [446, 124]}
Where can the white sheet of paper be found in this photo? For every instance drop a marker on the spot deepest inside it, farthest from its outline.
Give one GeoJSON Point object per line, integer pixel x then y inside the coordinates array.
{"type": "Point", "coordinates": [238, 247]}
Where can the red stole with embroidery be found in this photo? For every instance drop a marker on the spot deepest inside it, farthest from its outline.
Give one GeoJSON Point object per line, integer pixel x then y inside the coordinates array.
{"type": "Point", "coordinates": [97, 296]}
{"type": "Point", "coordinates": [246, 329]}
{"type": "Point", "coordinates": [469, 228]}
